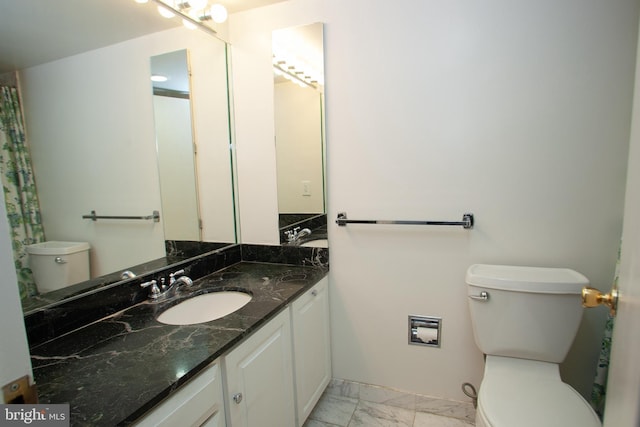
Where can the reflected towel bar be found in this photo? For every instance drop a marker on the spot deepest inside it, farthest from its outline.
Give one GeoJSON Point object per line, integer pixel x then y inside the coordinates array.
{"type": "Point", "coordinates": [467, 221]}
{"type": "Point", "coordinates": [155, 216]}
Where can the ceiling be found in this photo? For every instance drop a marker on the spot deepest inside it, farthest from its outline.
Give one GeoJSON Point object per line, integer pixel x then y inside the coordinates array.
{"type": "Point", "coordinates": [34, 32]}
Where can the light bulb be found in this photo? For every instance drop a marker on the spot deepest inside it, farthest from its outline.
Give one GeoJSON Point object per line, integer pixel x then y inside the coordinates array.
{"type": "Point", "coordinates": [165, 12]}
{"type": "Point", "coordinates": [141, 1]}
{"type": "Point", "coordinates": [218, 13]}
{"type": "Point", "coordinates": [158, 78]}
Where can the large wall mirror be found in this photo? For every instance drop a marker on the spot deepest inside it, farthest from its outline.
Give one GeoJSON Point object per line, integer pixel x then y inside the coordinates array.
{"type": "Point", "coordinates": [98, 134]}
{"type": "Point", "coordinates": [299, 122]}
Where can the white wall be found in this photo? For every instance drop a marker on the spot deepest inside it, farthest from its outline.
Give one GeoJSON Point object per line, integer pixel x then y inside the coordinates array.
{"type": "Point", "coordinates": [516, 111]}
{"type": "Point", "coordinates": [106, 152]}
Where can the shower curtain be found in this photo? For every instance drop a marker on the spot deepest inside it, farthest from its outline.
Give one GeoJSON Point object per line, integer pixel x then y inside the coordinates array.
{"type": "Point", "coordinates": [599, 390]}
{"type": "Point", "coordinates": [23, 209]}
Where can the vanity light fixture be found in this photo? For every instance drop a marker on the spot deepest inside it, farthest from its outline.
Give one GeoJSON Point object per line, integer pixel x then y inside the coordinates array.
{"type": "Point", "coordinates": [191, 4]}
{"type": "Point", "coordinates": [193, 12]}
{"type": "Point", "coordinates": [218, 13]}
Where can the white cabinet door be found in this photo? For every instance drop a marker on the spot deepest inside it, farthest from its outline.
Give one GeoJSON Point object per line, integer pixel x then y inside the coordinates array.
{"type": "Point", "coordinates": [260, 378]}
{"type": "Point", "coordinates": [312, 347]}
{"type": "Point", "coordinates": [198, 403]}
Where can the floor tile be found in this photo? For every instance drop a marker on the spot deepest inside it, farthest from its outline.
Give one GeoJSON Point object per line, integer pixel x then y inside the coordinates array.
{"type": "Point", "coordinates": [335, 410]}
{"type": "Point", "coordinates": [424, 419]}
{"type": "Point", "coordinates": [448, 408]}
{"type": "Point", "coordinates": [344, 388]}
{"type": "Point", "coordinates": [316, 423]}
{"type": "Point", "coordinates": [349, 404]}
{"type": "Point", "coordinates": [369, 414]}
{"type": "Point", "coordinates": [388, 396]}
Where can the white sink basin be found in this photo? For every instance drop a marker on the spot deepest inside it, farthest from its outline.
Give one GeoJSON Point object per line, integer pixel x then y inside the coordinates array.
{"type": "Point", "coordinates": [204, 308]}
{"type": "Point", "coordinates": [319, 243]}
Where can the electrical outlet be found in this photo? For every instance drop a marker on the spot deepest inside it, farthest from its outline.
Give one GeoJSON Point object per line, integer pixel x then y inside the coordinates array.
{"type": "Point", "coordinates": [306, 188]}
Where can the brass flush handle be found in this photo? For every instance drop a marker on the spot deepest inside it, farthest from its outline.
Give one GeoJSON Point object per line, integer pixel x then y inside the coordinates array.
{"type": "Point", "coordinates": [593, 297]}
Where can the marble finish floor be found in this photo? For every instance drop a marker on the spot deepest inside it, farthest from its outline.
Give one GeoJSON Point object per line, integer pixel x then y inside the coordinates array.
{"type": "Point", "coordinates": [360, 405]}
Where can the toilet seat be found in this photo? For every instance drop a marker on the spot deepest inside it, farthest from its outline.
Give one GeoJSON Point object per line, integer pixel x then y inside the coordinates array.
{"type": "Point", "coordinates": [528, 393]}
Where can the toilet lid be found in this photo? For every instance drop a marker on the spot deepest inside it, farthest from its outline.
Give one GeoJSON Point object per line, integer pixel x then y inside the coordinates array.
{"type": "Point", "coordinates": [518, 398]}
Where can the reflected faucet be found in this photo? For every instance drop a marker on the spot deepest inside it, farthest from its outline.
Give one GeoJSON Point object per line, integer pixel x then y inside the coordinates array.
{"type": "Point", "coordinates": [295, 235]}
{"type": "Point", "coordinates": [127, 274]}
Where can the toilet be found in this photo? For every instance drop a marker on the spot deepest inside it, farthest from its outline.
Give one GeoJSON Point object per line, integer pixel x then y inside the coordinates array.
{"type": "Point", "coordinates": [524, 321]}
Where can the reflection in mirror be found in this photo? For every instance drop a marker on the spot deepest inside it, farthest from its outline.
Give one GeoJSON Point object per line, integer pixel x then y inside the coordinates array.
{"type": "Point", "coordinates": [89, 122]}
{"type": "Point", "coordinates": [174, 142]}
{"type": "Point", "coordinates": [298, 64]}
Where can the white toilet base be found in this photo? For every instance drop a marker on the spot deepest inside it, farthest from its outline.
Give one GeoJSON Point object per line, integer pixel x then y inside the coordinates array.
{"type": "Point", "coordinates": [528, 393]}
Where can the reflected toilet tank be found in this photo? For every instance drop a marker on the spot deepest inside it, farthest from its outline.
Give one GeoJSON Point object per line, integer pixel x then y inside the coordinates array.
{"type": "Point", "coordinates": [58, 264]}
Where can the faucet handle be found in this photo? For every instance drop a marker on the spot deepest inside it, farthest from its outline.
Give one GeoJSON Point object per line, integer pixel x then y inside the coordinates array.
{"type": "Point", "coordinates": [176, 273]}
{"type": "Point", "coordinates": [149, 283]}
{"type": "Point", "coordinates": [155, 290]}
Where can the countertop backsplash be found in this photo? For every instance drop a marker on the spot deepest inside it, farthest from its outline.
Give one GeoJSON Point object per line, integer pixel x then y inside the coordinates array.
{"type": "Point", "coordinates": [52, 321]}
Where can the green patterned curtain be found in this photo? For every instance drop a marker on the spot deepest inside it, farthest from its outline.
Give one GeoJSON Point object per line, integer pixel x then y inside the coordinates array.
{"type": "Point", "coordinates": [23, 209]}
{"type": "Point", "coordinates": [599, 390]}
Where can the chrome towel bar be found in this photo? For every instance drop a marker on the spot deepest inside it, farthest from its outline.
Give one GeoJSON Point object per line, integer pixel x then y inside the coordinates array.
{"type": "Point", "coordinates": [467, 221]}
{"type": "Point", "coordinates": [155, 216]}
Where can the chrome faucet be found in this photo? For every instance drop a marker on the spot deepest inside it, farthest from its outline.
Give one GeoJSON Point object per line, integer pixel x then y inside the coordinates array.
{"type": "Point", "coordinates": [295, 235]}
{"type": "Point", "coordinates": [164, 290]}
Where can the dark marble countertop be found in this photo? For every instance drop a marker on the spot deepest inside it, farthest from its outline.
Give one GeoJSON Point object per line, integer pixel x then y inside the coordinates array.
{"type": "Point", "coordinates": [113, 371]}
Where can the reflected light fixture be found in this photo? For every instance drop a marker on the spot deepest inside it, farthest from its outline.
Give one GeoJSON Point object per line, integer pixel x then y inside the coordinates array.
{"type": "Point", "coordinates": [300, 72]}
{"type": "Point", "coordinates": [159, 78]}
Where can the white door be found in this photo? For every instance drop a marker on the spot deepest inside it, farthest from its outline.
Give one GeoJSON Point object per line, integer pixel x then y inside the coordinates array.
{"type": "Point", "coordinates": [623, 388]}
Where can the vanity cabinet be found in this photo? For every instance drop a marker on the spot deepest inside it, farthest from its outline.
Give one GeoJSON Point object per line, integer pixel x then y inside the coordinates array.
{"type": "Point", "coordinates": [274, 377]}
{"type": "Point", "coordinates": [311, 347]}
{"type": "Point", "coordinates": [259, 377]}
{"type": "Point", "coordinates": [198, 403]}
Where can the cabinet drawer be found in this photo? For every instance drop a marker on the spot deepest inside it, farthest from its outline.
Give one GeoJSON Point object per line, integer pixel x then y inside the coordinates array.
{"type": "Point", "coordinates": [197, 403]}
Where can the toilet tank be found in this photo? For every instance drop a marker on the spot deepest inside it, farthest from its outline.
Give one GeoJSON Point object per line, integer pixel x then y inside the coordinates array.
{"type": "Point", "coordinates": [529, 312]}
{"type": "Point", "coordinates": [57, 264]}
